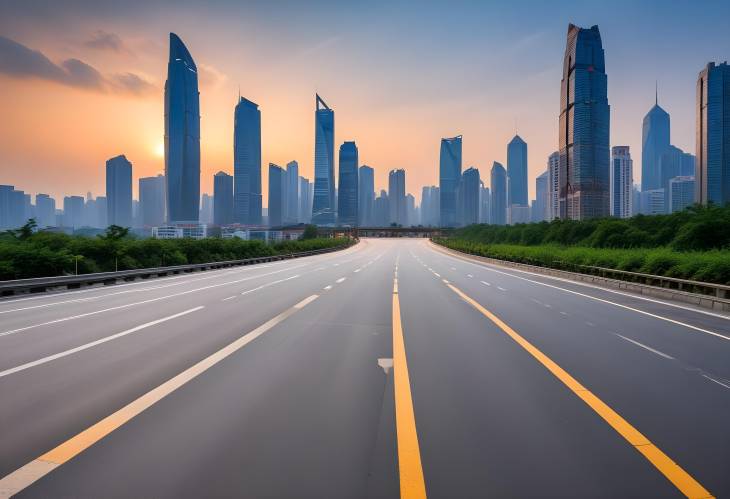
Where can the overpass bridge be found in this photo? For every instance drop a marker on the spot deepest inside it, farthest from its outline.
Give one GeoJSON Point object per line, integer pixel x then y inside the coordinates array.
{"type": "Point", "coordinates": [422, 232]}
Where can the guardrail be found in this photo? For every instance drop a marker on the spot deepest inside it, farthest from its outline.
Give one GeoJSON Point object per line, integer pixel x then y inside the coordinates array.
{"type": "Point", "coordinates": [43, 284]}
{"type": "Point", "coordinates": [703, 294]}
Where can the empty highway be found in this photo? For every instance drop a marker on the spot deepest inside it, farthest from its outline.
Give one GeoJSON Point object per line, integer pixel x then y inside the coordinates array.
{"type": "Point", "coordinates": [390, 369]}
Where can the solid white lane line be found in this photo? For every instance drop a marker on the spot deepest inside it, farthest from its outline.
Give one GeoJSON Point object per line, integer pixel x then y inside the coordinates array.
{"type": "Point", "coordinates": [485, 283]}
{"type": "Point", "coordinates": [86, 346]}
{"type": "Point", "coordinates": [340, 280]}
{"type": "Point", "coordinates": [328, 287]}
{"type": "Point", "coordinates": [639, 311]}
{"type": "Point", "coordinates": [268, 284]}
{"type": "Point", "coordinates": [34, 470]}
{"type": "Point", "coordinates": [661, 354]}
{"type": "Point", "coordinates": [229, 298]}
{"type": "Point", "coordinates": [501, 288]}
{"type": "Point", "coordinates": [584, 284]}
{"type": "Point", "coordinates": [715, 381]}
{"type": "Point", "coordinates": [151, 300]}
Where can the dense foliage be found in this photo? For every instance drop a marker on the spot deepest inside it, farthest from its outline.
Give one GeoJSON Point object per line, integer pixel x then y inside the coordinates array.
{"type": "Point", "coordinates": [25, 254]}
{"type": "Point", "coordinates": [693, 244]}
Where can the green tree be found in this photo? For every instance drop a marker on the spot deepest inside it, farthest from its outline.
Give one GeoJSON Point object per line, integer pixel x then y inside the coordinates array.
{"type": "Point", "coordinates": [310, 232]}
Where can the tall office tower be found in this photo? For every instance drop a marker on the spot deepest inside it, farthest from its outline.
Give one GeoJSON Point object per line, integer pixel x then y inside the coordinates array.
{"type": "Point", "coordinates": [681, 193]}
{"type": "Point", "coordinates": [91, 212]}
{"type": "Point", "coordinates": [498, 207]}
{"type": "Point", "coordinates": [222, 199]}
{"type": "Point", "coordinates": [381, 210]}
{"type": "Point", "coordinates": [247, 163]}
{"type": "Point", "coordinates": [152, 201]}
{"type": "Point", "coordinates": [655, 140]}
{"type": "Point", "coordinates": [291, 203]}
{"type": "Point", "coordinates": [430, 206]}
{"type": "Point", "coordinates": [517, 171]}
{"type": "Point", "coordinates": [206, 209]}
{"type": "Point", "coordinates": [712, 171]}
{"type": "Point", "coordinates": [45, 208]}
{"type": "Point", "coordinates": [584, 128]}
{"type": "Point", "coordinates": [553, 165]}
{"type": "Point", "coordinates": [73, 211]}
{"type": "Point", "coordinates": [101, 209]}
{"type": "Point", "coordinates": [119, 191]}
{"type": "Point", "coordinates": [323, 204]}
{"type": "Point", "coordinates": [365, 196]}
{"type": "Point", "coordinates": [411, 211]}
{"type": "Point", "coordinates": [5, 195]}
{"type": "Point", "coordinates": [622, 179]}
{"type": "Point", "coordinates": [484, 204]}
{"type": "Point", "coordinates": [673, 162]}
{"type": "Point", "coordinates": [13, 204]}
{"type": "Point", "coordinates": [449, 178]}
{"type": "Point", "coordinates": [542, 197]}
{"type": "Point", "coordinates": [182, 135]}
{"type": "Point", "coordinates": [305, 201]}
{"type": "Point", "coordinates": [347, 193]}
{"type": "Point", "coordinates": [277, 195]}
{"type": "Point", "coordinates": [397, 197]}
{"type": "Point", "coordinates": [469, 196]}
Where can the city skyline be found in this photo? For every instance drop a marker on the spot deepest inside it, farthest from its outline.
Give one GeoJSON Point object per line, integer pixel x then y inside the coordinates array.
{"type": "Point", "coordinates": [486, 126]}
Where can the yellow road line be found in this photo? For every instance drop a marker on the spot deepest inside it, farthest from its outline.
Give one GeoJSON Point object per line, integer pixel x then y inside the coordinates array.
{"type": "Point", "coordinates": [412, 485]}
{"type": "Point", "coordinates": [671, 470]}
{"type": "Point", "coordinates": [41, 466]}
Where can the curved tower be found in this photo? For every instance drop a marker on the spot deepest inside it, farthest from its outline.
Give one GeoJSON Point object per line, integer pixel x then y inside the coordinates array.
{"type": "Point", "coordinates": [182, 134]}
{"type": "Point", "coordinates": [584, 175]}
{"type": "Point", "coordinates": [323, 205]}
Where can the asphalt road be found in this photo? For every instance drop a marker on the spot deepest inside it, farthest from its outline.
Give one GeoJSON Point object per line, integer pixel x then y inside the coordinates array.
{"type": "Point", "coordinates": [390, 368]}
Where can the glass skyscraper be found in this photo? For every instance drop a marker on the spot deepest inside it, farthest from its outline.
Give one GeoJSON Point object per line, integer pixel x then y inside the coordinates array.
{"type": "Point", "coordinates": [655, 140]}
{"type": "Point", "coordinates": [323, 204]}
{"type": "Point", "coordinates": [584, 127]}
{"type": "Point", "coordinates": [517, 171]}
{"type": "Point", "coordinates": [222, 199]}
{"type": "Point", "coordinates": [277, 195]}
{"type": "Point", "coordinates": [182, 134]}
{"type": "Point", "coordinates": [449, 178]}
{"type": "Point", "coordinates": [469, 196]}
{"type": "Point", "coordinates": [347, 193]}
{"type": "Point", "coordinates": [119, 191]}
{"type": "Point", "coordinates": [291, 205]}
{"type": "Point", "coordinates": [247, 163]}
{"type": "Point", "coordinates": [366, 195]}
{"type": "Point", "coordinates": [712, 171]}
{"type": "Point", "coordinates": [622, 180]}
{"type": "Point", "coordinates": [152, 200]}
{"type": "Point", "coordinates": [397, 197]}
{"type": "Point", "coordinates": [498, 200]}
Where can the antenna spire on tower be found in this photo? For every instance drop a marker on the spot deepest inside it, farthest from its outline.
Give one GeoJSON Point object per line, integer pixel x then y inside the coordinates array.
{"type": "Point", "coordinates": [656, 92]}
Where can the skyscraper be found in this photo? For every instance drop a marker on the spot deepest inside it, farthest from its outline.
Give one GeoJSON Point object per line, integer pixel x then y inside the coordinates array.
{"type": "Point", "coordinates": [366, 195]}
{"type": "Point", "coordinates": [542, 198]}
{"type": "Point", "coordinates": [305, 200]}
{"type": "Point", "coordinates": [517, 171]}
{"type": "Point", "coordinates": [247, 163]}
{"type": "Point", "coordinates": [397, 197]}
{"type": "Point", "coordinates": [430, 212]}
{"type": "Point", "coordinates": [469, 196]}
{"type": "Point", "coordinates": [119, 191]}
{"type": "Point", "coordinates": [411, 210]}
{"type": "Point", "coordinates": [152, 200]}
{"type": "Point", "coordinates": [206, 209]}
{"type": "Point", "coordinates": [622, 178]}
{"type": "Point", "coordinates": [584, 127]}
{"type": "Point", "coordinates": [681, 193]}
{"type": "Point", "coordinates": [655, 140]}
{"type": "Point", "coordinates": [323, 205]}
{"type": "Point", "coordinates": [498, 194]}
{"type": "Point", "coordinates": [347, 202]}
{"type": "Point", "coordinates": [222, 199]}
{"type": "Point", "coordinates": [553, 165]}
{"type": "Point", "coordinates": [712, 171]}
{"type": "Point", "coordinates": [485, 200]}
{"type": "Point", "coordinates": [45, 207]}
{"type": "Point", "coordinates": [381, 210]}
{"type": "Point", "coordinates": [291, 215]}
{"type": "Point", "coordinates": [449, 178]}
{"type": "Point", "coordinates": [277, 195]}
{"type": "Point", "coordinates": [182, 135]}
{"type": "Point", "coordinates": [73, 211]}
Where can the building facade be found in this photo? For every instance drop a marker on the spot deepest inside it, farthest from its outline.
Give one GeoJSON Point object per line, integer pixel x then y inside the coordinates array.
{"type": "Point", "coordinates": [291, 205]}
{"type": "Point", "coordinates": [348, 185]}
{"type": "Point", "coordinates": [622, 171]}
{"type": "Point", "coordinates": [397, 197]}
{"type": "Point", "coordinates": [323, 205]}
{"type": "Point", "coordinates": [152, 200]}
{"type": "Point", "coordinates": [712, 172]}
{"type": "Point", "coordinates": [182, 135]}
{"type": "Point", "coordinates": [247, 199]}
{"type": "Point", "coordinates": [365, 196]}
{"type": "Point", "coordinates": [584, 126]}
{"type": "Point", "coordinates": [681, 193]}
{"type": "Point", "coordinates": [542, 198]}
{"type": "Point", "coordinates": [498, 208]}
{"type": "Point", "coordinates": [277, 195]}
{"type": "Point", "coordinates": [517, 171]}
{"type": "Point", "coordinates": [469, 196]}
{"type": "Point", "coordinates": [119, 191]}
{"type": "Point", "coordinates": [449, 178]}
{"type": "Point", "coordinates": [222, 199]}
{"type": "Point", "coordinates": [655, 140]}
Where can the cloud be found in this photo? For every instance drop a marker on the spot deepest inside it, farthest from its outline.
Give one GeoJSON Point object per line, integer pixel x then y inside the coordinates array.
{"type": "Point", "coordinates": [19, 61]}
{"type": "Point", "coordinates": [101, 40]}
{"type": "Point", "coordinates": [209, 77]}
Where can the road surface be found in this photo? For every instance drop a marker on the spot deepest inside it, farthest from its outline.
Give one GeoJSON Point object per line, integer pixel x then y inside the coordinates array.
{"type": "Point", "coordinates": [388, 369]}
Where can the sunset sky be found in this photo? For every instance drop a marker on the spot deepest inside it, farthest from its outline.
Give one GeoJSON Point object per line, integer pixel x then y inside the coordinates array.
{"type": "Point", "coordinates": [84, 82]}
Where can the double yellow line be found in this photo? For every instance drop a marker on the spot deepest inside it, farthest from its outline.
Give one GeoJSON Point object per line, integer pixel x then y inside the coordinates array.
{"type": "Point", "coordinates": [412, 483]}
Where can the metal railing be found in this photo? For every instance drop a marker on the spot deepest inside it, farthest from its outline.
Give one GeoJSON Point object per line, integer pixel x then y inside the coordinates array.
{"type": "Point", "coordinates": [43, 284]}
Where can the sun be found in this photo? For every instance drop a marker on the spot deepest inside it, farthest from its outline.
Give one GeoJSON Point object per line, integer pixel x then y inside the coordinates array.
{"type": "Point", "coordinates": [160, 150]}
